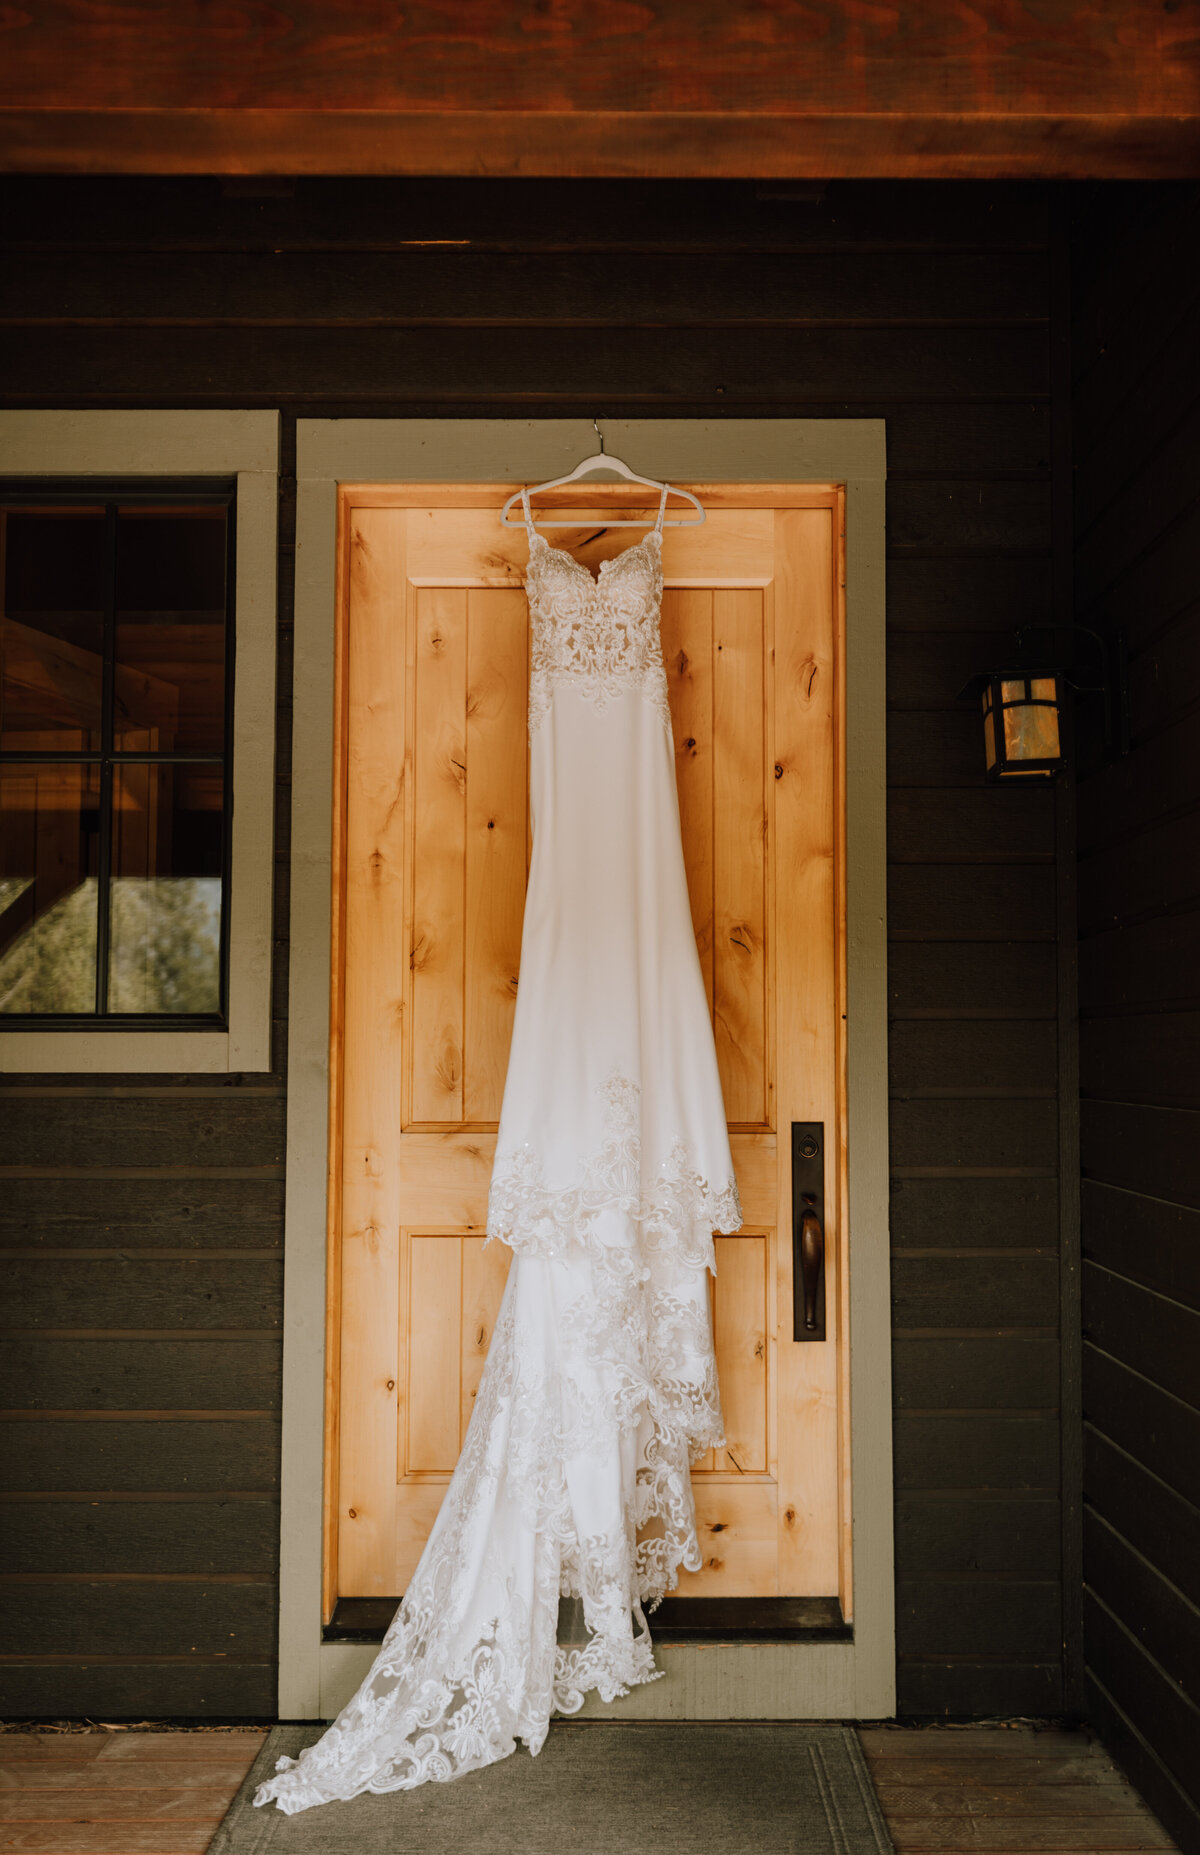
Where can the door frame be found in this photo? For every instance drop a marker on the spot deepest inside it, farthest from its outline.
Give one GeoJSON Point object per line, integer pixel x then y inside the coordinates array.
{"type": "Point", "coordinates": [746, 1680]}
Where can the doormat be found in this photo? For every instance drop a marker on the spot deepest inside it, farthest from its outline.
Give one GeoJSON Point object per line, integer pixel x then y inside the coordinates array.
{"type": "Point", "coordinates": [602, 1788]}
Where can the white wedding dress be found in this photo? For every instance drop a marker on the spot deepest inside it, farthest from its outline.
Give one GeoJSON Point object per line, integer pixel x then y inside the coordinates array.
{"type": "Point", "coordinates": [570, 1510]}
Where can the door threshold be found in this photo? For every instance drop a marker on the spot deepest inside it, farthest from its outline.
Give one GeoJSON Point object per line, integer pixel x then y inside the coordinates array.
{"type": "Point", "coordinates": [677, 1619]}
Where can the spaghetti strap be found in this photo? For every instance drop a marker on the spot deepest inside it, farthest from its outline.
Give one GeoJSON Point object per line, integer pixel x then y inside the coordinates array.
{"type": "Point", "coordinates": [530, 530]}
{"type": "Point", "coordinates": [662, 509]}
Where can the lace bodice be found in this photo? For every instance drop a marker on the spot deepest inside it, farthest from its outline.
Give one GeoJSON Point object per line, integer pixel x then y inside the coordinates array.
{"type": "Point", "coordinates": [600, 636]}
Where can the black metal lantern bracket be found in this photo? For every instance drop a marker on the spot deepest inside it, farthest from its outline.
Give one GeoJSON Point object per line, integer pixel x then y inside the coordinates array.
{"type": "Point", "coordinates": [1113, 685]}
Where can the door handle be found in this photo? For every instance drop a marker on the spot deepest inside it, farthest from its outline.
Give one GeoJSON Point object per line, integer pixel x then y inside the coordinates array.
{"type": "Point", "coordinates": [808, 1230]}
{"type": "Point", "coordinates": [812, 1265]}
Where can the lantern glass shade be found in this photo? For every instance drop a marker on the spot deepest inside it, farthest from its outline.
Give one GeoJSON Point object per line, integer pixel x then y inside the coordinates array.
{"type": "Point", "coordinates": [1021, 725]}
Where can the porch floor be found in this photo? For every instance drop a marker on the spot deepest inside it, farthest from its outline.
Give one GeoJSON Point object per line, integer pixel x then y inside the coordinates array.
{"type": "Point", "coordinates": [1016, 1790]}
{"type": "Point", "coordinates": [1013, 1788]}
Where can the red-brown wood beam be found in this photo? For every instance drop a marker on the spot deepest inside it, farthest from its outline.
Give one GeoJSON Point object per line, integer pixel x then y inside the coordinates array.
{"type": "Point", "coordinates": [583, 144]}
{"type": "Point", "coordinates": [967, 88]}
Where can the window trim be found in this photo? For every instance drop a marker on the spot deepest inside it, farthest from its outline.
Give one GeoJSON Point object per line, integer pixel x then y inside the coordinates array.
{"type": "Point", "coordinates": [222, 444]}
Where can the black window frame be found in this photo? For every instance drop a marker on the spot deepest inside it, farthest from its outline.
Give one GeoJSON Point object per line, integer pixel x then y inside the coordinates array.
{"type": "Point", "coordinates": [109, 493]}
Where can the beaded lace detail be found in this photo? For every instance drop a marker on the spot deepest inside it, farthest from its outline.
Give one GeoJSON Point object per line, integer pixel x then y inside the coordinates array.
{"type": "Point", "coordinates": [598, 636]}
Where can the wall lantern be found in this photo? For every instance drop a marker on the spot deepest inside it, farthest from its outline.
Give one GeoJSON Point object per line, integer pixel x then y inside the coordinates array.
{"type": "Point", "coordinates": [1023, 732]}
{"type": "Point", "coordinates": [1022, 738]}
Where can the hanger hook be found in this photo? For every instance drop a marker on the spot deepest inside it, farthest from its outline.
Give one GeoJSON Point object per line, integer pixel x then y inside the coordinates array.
{"type": "Point", "coordinates": [599, 434]}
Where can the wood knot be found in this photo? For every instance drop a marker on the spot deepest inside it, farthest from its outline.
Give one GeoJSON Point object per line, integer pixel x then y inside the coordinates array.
{"type": "Point", "coordinates": [391, 1384]}
{"type": "Point", "coordinates": [353, 1512]}
{"type": "Point", "coordinates": [789, 1515]}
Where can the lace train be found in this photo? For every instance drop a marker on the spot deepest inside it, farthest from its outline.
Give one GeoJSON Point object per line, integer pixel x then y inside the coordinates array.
{"type": "Point", "coordinates": [598, 1393]}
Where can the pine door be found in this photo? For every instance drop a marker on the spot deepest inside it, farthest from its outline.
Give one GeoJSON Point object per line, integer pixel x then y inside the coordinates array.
{"type": "Point", "coordinates": [431, 848]}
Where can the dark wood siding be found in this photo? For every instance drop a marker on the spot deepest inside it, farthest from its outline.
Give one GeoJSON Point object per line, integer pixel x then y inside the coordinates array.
{"type": "Point", "coordinates": [929, 306]}
{"type": "Point", "coordinates": [139, 1514]}
{"type": "Point", "coordinates": [1137, 518]}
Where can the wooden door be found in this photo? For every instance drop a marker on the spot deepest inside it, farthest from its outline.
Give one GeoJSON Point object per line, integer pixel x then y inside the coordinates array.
{"type": "Point", "coordinates": [431, 850]}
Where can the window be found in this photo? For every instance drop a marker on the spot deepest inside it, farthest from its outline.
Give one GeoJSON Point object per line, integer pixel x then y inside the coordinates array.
{"type": "Point", "coordinates": [115, 700]}
{"type": "Point", "coordinates": [137, 740]}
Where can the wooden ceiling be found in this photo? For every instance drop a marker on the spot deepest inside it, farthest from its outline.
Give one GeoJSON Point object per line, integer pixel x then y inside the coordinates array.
{"type": "Point", "coordinates": [780, 88]}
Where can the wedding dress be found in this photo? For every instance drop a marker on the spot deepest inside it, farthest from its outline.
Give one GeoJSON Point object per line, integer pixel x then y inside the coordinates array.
{"type": "Point", "coordinates": [570, 1511]}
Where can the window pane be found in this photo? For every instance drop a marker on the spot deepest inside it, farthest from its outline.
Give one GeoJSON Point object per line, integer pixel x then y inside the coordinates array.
{"type": "Point", "coordinates": [49, 838]}
{"type": "Point", "coordinates": [169, 688]}
{"type": "Point", "coordinates": [165, 911]}
{"type": "Point", "coordinates": [1031, 732]}
{"type": "Point", "coordinates": [52, 629]}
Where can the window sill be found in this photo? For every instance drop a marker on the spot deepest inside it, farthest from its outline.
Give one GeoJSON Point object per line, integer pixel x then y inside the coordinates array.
{"type": "Point", "coordinates": [121, 1052]}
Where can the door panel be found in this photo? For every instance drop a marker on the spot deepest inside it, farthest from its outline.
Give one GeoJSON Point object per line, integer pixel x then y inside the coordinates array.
{"type": "Point", "coordinates": [467, 869]}
{"type": "Point", "coordinates": [435, 835]}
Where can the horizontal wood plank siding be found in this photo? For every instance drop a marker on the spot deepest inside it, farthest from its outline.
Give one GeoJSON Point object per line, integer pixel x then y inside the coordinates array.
{"type": "Point", "coordinates": [141, 1220]}
{"type": "Point", "coordinates": [927, 306]}
{"type": "Point", "coordinates": [1137, 516]}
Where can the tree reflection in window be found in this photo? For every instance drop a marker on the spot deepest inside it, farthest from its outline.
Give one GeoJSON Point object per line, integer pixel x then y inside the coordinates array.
{"type": "Point", "coordinates": [115, 642]}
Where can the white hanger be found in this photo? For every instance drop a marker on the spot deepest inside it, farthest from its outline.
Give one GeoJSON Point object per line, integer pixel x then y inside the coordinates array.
{"type": "Point", "coordinates": [602, 460]}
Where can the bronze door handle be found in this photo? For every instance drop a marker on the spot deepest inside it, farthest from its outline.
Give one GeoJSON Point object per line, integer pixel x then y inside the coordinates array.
{"type": "Point", "coordinates": [812, 1264]}
{"type": "Point", "coordinates": [808, 1230]}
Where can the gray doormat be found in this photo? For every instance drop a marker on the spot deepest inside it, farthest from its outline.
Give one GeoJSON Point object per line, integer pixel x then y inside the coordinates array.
{"type": "Point", "coordinates": [597, 1788]}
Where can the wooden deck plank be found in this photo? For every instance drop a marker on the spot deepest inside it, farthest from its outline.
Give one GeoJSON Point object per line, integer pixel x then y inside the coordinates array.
{"type": "Point", "coordinates": [41, 1748]}
{"type": "Point", "coordinates": [180, 1748]}
{"type": "Point", "coordinates": [241, 1744]}
{"type": "Point", "coordinates": [106, 1838]}
{"type": "Point", "coordinates": [200, 1805]}
{"type": "Point", "coordinates": [1008, 1800]}
{"type": "Point", "coordinates": [982, 1768]}
{"type": "Point", "coordinates": [126, 1774]}
{"type": "Point", "coordinates": [965, 1741]}
{"type": "Point", "coordinates": [1078, 1835]}
{"type": "Point", "coordinates": [120, 1747]}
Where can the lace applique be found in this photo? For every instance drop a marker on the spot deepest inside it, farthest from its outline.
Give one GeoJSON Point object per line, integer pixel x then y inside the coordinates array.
{"type": "Point", "coordinates": [598, 637]}
{"type": "Point", "coordinates": [678, 1212]}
